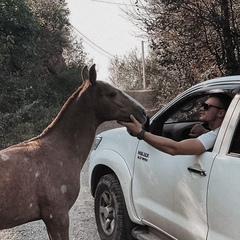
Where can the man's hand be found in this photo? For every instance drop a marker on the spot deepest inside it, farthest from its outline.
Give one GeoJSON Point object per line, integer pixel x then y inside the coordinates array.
{"type": "Point", "coordinates": [133, 127]}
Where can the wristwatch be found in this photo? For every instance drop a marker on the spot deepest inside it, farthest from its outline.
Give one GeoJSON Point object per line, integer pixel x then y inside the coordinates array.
{"type": "Point", "coordinates": [140, 135]}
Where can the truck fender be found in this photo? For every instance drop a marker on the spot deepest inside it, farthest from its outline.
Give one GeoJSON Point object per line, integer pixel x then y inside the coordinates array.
{"type": "Point", "coordinates": [101, 165]}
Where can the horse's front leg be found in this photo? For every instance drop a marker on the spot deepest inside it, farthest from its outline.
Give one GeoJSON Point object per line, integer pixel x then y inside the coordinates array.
{"type": "Point", "coordinates": [57, 226]}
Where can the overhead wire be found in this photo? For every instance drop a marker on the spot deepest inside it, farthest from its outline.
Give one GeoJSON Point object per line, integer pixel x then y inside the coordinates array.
{"type": "Point", "coordinates": [94, 45]}
{"type": "Point", "coordinates": [90, 42]}
{"type": "Point", "coordinates": [115, 3]}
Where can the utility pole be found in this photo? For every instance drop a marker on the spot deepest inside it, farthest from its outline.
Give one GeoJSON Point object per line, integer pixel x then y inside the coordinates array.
{"type": "Point", "coordinates": [143, 66]}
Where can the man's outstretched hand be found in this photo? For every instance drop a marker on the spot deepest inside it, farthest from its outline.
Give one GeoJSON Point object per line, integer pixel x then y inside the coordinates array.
{"type": "Point", "coordinates": [133, 127]}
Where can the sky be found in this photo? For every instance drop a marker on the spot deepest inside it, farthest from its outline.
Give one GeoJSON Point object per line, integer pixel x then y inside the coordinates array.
{"type": "Point", "coordinates": [105, 29]}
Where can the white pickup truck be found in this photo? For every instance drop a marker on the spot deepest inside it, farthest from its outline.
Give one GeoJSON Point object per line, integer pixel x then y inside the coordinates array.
{"type": "Point", "coordinates": [142, 193]}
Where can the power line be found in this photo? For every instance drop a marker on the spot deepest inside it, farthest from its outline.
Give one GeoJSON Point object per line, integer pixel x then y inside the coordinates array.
{"type": "Point", "coordinates": [95, 45]}
{"type": "Point", "coordinates": [115, 3]}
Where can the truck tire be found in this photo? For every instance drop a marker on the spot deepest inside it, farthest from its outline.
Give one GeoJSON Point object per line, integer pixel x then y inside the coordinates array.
{"type": "Point", "coordinates": [112, 219]}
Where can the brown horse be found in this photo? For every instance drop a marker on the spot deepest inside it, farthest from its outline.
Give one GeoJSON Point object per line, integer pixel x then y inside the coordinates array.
{"type": "Point", "coordinates": [39, 178]}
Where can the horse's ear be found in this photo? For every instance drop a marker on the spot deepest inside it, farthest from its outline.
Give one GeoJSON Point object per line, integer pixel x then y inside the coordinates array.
{"type": "Point", "coordinates": [92, 74]}
{"type": "Point", "coordinates": [85, 74]}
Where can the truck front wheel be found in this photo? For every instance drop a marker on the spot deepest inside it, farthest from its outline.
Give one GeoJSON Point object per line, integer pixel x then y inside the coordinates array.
{"type": "Point", "coordinates": [112, 219]}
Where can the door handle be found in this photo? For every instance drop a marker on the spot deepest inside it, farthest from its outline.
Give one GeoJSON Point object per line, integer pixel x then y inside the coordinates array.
{"type": "Point", "coordinates": [197, 170]}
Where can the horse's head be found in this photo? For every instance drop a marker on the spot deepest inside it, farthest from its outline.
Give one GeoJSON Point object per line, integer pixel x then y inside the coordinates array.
{"type": "Point", "coordinates": [110, 103]}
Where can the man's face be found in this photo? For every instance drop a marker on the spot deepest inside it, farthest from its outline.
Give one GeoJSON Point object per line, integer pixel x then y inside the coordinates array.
{"type": "Point", "coordinates": [210, 111]}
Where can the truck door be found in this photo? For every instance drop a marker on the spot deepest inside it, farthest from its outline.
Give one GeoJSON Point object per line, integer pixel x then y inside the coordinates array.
{"type": "Point", "coordinates": [170, 197]}
{"type": "Point", "coordinates": [224, 191]}
{"type": "Point", "coordinates": [170, 192]}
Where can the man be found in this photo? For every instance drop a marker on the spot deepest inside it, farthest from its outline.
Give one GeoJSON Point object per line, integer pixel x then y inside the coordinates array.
{"type": "Point", "coordinates": [213, 111]}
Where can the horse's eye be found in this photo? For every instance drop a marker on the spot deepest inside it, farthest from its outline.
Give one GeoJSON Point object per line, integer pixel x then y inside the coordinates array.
{"type": "Point", "coordinates": [112, 94]}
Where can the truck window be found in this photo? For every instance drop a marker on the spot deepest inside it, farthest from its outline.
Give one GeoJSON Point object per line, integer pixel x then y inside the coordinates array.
{"type": "Point", "coordinates": [235, 145]}
{"type": "Point", "coordinates": [187, 112]}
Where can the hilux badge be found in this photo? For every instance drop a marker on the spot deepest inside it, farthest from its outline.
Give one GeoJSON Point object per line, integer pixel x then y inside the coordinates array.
{"type": "Point", "coordinates": [143, 156]}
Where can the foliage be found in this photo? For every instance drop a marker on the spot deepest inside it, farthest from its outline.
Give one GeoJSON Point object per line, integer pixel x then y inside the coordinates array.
{"type": "Point", "coordinates": [18, 28]}
{"type": "Point", "coordinates": [192, 31]}
{"type": "Point", "coordinates": [189, 40]}
{"type": "Point", "coordinates": [126, 72]}
{"type": "Point", "coordinates": [40, 62]}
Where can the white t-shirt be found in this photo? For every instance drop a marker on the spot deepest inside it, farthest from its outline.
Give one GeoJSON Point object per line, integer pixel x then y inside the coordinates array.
{"type": "Point", "coordinates": [208, 139]}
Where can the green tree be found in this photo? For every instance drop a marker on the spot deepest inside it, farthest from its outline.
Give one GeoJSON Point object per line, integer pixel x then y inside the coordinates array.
{"type": "Point", "coordinates": [40, 65]}
{"type": "Point", "coordinates": [18, 29]}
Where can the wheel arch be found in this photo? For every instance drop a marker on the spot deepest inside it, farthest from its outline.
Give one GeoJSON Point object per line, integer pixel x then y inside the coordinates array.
{"type": "Point", "coordinates": [99, 171]}
{"type": "Point", "coordinates": [102, 166]}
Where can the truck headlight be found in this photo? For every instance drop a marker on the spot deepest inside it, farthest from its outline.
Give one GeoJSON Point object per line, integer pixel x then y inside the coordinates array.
{"type": "Point", "coordinates": [96, 142]}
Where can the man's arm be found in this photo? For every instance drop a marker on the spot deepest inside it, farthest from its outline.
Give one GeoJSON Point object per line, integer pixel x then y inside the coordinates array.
{"type": "Point", "coordinates": [185, 147]}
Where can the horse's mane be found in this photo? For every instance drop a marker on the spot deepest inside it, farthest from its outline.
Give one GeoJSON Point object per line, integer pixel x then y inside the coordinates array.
{"type": "Point", "coordinates": [75, 95]}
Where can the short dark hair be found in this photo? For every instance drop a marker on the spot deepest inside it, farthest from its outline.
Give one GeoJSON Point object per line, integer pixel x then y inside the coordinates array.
{"type": "Point", "coordinates": [223, 98]}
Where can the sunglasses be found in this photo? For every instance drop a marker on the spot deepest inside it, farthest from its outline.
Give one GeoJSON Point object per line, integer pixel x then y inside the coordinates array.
{"type": "Point", "coordinates": [206, 106]}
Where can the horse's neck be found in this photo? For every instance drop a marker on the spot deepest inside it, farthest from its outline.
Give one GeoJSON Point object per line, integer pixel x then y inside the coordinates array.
{"type": "Point", "coordinates": [73, 130]}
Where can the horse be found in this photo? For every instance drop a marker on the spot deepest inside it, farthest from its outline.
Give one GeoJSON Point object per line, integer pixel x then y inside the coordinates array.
{"type": "Point", "coordinates": [40, 177]}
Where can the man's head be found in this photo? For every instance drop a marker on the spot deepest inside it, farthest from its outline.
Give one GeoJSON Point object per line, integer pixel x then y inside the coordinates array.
{"type": "Point", "coordinates": [214, 109]}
